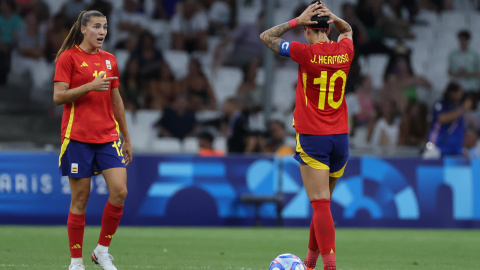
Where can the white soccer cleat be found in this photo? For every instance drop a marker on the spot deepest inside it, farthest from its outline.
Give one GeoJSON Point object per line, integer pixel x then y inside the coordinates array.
{"type": "Point", "coordinates": [76, 266]}
{"type": "Point", "coordinates": [103, 259]}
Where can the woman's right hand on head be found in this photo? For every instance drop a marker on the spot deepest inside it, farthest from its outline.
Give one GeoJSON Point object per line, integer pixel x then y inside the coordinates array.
{"type": "Point", "coordinates": [100, 83]}
{"type": "Point", "coordinates": [306, 17]}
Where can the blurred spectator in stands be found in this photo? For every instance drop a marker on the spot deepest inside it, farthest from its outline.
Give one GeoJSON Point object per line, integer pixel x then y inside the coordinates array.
{"type": "Point", "coordinates": [369, 12]}
{"type": "Point", "coordinates": [349, 15]}
{"type": "Point", "coordinates": [170, 6]}
{"type": "Point", "coordinates": [56, 34]}
{"type": "Point", "coordinates": [130, 86]}
{"type": "Point", "coordinates": [10, 25]}
{"type": "Point", "coordinates": [249, 91]}
{"type": "Point", "coordinates": [390, 92]}
{"type": "Point", "coordinates": [470, 148]}
{"type": "Point", "coordinates": [359, 39]}
{"type": "Point", "coordinates": [414, 125]}
{"type": "Point", "coordinates": [464, 64]}
{"type": "Point", "coordinates": [362, 105]}
{"type": "Point", "coordinates": [405, 82]}
{"type": "Point", "coordinates": [219, 17]}
{"type": "Point", "coordinates": [127, 21]}
{"type": "Point", "coordinates": [235, 125]}
{"type": "Point", "coordinates": [396, 20]}
{"type": "Point", "coordinates": [246, 45]}
{"type": "Point", "coordinates": [198, 89]}
{"type": "Point", "coordinates": [273, 142]}
{"type": "Point", "coordinates": [71, 9]}
{"type": "Point", "coordinates": [435, 5]}
{"type": "Point", "coordinates": [40, 8]}
{"type": "Point", "coordinates": [101, 5]}
{"type": "Point", "coordinates": [276, 142]}
{"type": "Point", "coordinates": [148, 56]}
{"type": "Point", "coordinates": [159, 11]}
{"type": "Point", "coordinates": [178, 120]}
{"type": "Point", "coordinates": [448, 125]}
{"type": "Point", "coordinates": [387, 128]}
{"type": "Point", "coordinates": [189, 27]}
{"type": "Point", "coordinates": [163, 88]}
{"type": "Point", "coordinates": [131, 44]}
{"type": "Point", "coordinates": [472, 118]}
{"type": "Point", "coordinates": [29, 55]}
{"type": "Point", "coordinates": [205, 144]}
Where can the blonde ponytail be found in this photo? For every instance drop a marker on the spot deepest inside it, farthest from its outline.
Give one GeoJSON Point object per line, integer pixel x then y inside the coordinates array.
{"type": "Point", "coordinates": [75, 35]}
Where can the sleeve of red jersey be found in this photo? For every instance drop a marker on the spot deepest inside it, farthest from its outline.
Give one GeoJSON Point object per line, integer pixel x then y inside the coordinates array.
{"type": "Point", "coordinates": [115, 83]}
{"type": "Point", "coordinates": [297, 51]}
{"type": "Point", "coordinates": [64, 68]}
{"type": "Point", "coordinates": [348, 43]}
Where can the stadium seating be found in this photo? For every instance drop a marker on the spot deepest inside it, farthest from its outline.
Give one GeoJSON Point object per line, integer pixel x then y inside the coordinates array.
{"type": "Point", "coordinates": [225, 82]}
{"type": "Point", "coordinates": [284, 88]}
{"type": "Point", "coordinates": [141, 128]}
{"type": "Point", "coordinates": [165, 146]}
{"type": "Point", "coordinates": [122, 57]}
{"type": "Point", "coordinates": [178, 62]}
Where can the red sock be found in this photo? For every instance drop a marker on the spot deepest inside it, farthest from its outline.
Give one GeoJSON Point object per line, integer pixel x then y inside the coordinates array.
{"type": "Point", "coordinates": [75, 228]}
{"type": "Point", "coordinates": [110, 220]}
{"type": "Point", "coordinates": [313, 253]}
{"type": "Point", "coordinates": [312, 242]}
{"type": "Point", "coordinates": [324, 231]}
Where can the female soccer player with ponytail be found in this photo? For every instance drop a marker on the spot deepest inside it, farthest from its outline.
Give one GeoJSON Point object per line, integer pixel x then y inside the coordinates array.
{"type": "Point", "coordinates": [320, 116]}
{"type": "Point", "coordinates": [86, 83]}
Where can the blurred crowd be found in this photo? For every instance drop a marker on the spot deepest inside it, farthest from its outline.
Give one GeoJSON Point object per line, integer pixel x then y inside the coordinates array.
{"type": "Point", "coordinates": [403, 111]}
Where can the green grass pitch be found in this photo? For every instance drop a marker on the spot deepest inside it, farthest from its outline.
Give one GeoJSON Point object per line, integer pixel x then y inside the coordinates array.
{"type": "Point", "coordinates": [33, 247]}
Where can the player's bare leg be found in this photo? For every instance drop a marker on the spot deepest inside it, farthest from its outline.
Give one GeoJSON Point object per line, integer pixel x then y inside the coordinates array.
{"type": "Point", "coordinates": [116, 179]}
{"type": "Point", "coordinates": [80, 189]}
{"type": "Point", "coordinates": [319, 187]}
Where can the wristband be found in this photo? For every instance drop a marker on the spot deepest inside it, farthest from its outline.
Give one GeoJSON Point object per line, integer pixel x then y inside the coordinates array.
{"type": "Point", "coordinates": [293, 23]}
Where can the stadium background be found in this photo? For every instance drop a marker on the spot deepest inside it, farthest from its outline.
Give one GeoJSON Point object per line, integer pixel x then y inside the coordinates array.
{"type": "Point", "coordinates": [387, 183]}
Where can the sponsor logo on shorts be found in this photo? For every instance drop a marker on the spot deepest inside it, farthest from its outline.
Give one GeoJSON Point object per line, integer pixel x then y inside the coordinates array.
{"type": "Point", "coordinates": [74, 167]}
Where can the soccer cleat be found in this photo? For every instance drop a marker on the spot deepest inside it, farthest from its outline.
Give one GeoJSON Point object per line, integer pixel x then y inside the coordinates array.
{"type": "Point", "coordinates": [330, 268]}
{"type": "Point", "coordinates": [310, 265]}
{"type": "Point", "coordinates": [103, 259]}
{"type": "Point", "coordinates": [77, 266]}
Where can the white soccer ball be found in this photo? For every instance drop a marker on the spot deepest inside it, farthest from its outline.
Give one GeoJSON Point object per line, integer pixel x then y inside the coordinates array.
{"type": "Point", "coordinates": [287, 261]}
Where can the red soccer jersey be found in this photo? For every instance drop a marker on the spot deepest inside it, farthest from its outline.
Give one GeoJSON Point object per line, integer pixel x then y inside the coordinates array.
{"type": "Point", "coordinates": [89, 118]}
{"type": "Point", "coordinates": [320, 107]}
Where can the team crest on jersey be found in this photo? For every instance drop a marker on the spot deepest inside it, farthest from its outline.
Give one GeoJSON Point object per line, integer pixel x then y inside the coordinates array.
{"type": "Point", "coordinates": [109, 66]}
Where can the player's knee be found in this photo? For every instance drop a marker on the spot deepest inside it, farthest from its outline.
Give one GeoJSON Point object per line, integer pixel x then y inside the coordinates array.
{"type": "Point", "coordinates": [80, 200]}
{"type": "Point", "coordinates": [119, 195]}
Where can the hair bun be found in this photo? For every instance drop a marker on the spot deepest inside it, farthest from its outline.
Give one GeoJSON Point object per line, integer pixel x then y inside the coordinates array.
{"type": "Point", "coordinates": [322, 22]}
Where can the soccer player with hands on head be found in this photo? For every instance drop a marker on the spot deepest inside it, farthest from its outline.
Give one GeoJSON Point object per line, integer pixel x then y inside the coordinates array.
{"type": "Point", "coordinates": [320, 115]}
{"type": "Point", "coordinates": [86, 83]}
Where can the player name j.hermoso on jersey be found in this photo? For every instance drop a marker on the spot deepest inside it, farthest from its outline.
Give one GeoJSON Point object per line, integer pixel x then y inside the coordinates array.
{"type": "Point", "coordinates": [329, 59]}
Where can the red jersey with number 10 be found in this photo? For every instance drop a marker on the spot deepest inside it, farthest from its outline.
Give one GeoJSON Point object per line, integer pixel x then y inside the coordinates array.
{"type": "Point", "coordinates": [89, 118]}
{"type": "Point", "coordinates": [320, 107]}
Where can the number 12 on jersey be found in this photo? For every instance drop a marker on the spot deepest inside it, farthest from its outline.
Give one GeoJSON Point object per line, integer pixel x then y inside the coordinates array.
{"type": "Point", "coordinates": [323, 80]}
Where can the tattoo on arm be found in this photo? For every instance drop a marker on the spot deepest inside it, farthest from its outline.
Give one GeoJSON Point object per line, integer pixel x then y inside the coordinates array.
{"type": "Point", "coordinates": [343, 27]}
{"type": "Point", "coordinates": [271, 37]}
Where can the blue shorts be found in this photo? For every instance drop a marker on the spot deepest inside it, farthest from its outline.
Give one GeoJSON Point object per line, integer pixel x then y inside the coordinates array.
{"type": "Point", "coordinates": [323, 152]}
{"type": "Point", "coordinates": [83, 160]}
